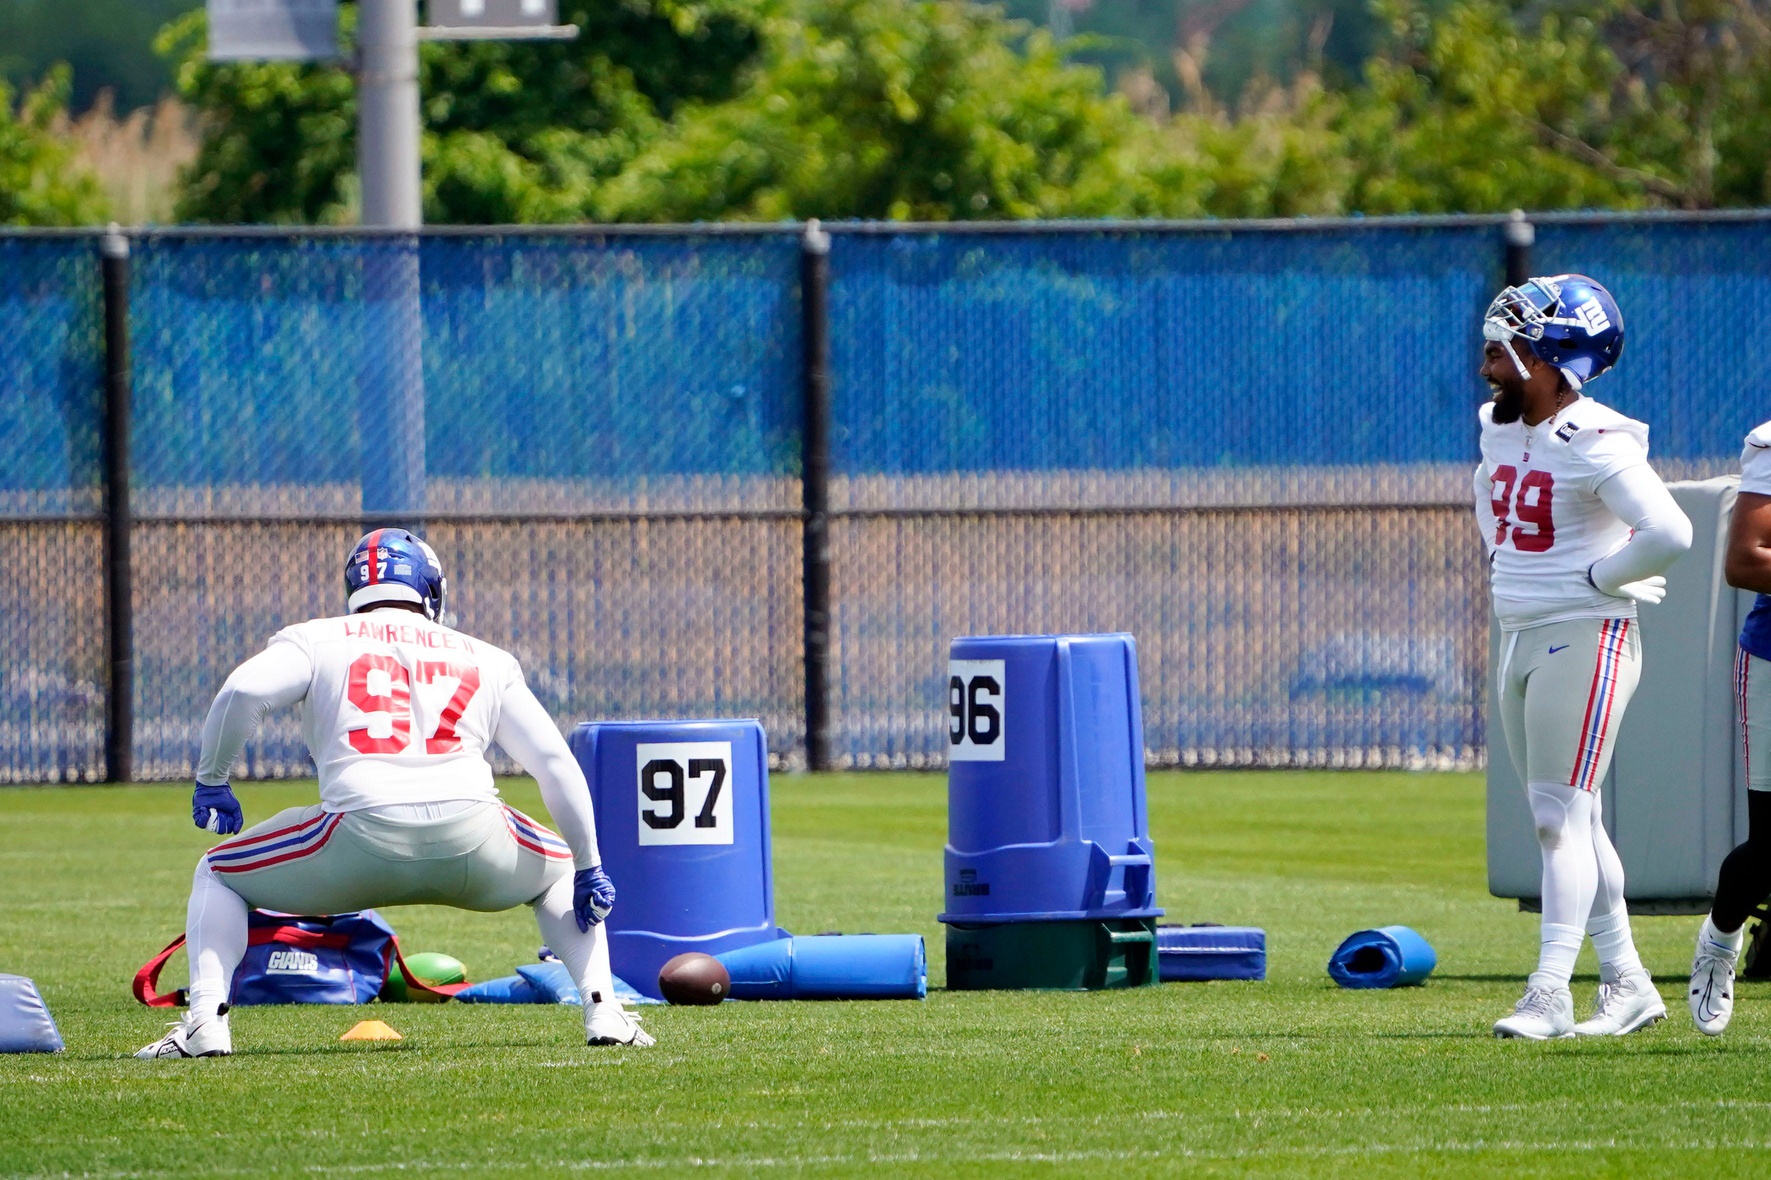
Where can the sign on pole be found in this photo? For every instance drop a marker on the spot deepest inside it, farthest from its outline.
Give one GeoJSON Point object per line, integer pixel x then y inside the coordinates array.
{"type": "Point", "coordinates": [495, 20]}
{"type": "Point", "coordinates": [502, 14]}
{"type": "Point", "coordinates": [273, 30]}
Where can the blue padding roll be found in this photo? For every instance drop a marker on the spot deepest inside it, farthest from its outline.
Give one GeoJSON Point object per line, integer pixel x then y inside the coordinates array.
{"type": "Point", "coordinates": [831, 967]}
{"type": "Point", "coordinates": [1391, 956]}
{"type": "Point", "coordinates": [508, 989]}
{"type": "Point", "coordinates": [25, 1023]}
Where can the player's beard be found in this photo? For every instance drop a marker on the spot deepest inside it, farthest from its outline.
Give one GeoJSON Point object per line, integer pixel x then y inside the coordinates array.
{"type": "Point", "coordinates": [1509, 400]}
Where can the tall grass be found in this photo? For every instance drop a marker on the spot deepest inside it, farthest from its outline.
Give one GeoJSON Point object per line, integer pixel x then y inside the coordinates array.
{"type": "Point", "coordinates": [136, 157]}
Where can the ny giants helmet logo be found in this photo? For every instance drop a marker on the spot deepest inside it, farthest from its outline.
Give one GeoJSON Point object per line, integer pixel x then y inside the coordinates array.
{"type": "Point", "coordinates": [1592, 314]}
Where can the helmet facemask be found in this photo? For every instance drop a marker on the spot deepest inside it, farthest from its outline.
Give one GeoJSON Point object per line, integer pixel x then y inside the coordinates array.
{"type": "Point", "coordinates": [1519, 313]}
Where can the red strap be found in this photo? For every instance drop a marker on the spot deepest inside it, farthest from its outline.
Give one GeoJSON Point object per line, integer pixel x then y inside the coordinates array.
{"type": "Point", "coordinates": [149, 975]}
{"type": "Point", "coordinates": [296, 936]}
{"type": "Point", "coordinates": [430, 993]}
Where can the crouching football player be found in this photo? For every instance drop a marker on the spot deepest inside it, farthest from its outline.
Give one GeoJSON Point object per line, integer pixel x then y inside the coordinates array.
{"type": "Point", "coordinates": [398, 712]}
{"type": "Point", "coordinates": [1745, 879]}
{"type": "Point", "coordinates": [1579, 529]}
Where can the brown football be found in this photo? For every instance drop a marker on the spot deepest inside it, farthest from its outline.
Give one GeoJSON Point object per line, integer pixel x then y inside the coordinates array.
{"type": "Point", "coordinates": [694, 978]}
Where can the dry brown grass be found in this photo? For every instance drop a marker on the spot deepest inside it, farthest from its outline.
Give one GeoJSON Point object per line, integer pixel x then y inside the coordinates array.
{"type": "Point", "coordinates": [135, 157]}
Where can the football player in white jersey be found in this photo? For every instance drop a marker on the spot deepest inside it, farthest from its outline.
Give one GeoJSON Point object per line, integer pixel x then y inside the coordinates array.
{"type": "Point", "coordinates": [1745, 878]}
{"type": "Point", "coordinates": [398, 711]}
{"type": "Point", "coordinates": [1579, 529]}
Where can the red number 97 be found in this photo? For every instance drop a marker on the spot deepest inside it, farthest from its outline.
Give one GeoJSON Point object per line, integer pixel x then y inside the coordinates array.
{"type": "Point", "coordinates": [395, 700]}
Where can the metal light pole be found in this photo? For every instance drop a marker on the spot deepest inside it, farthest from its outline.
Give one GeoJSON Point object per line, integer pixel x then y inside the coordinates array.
{"type": "Point", "coordinates": [390, 381]}
{"type": "Point", "coordinates": [387, 113]}
{"type": "Point", "coordinates": [390, 387]}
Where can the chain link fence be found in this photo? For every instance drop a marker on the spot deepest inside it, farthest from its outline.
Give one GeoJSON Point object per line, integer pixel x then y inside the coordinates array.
{"type": "Point", "coordinates": [1247, 445]}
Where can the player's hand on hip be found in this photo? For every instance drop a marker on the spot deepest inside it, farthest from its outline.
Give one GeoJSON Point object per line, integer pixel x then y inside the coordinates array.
{"type": "Point", "coordinates": [593, 896]}
{"type": "Point", "coordinates": [214, 809]}
{"type": "Point", "coordinates": [1649, 590]}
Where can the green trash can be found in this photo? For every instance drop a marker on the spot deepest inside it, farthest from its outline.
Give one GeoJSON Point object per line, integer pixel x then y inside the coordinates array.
{"type": "Point", "coordinates": [1059, 956]}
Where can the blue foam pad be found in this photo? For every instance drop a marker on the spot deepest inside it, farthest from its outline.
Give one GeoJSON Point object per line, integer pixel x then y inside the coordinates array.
{"type": "Point", "coordinates": [25, 1023]}
{"type": "Point", "coordinates": [508, 989]}
{"type": "Point", "coordinates": [1390, 956]}
{"type": "Point", "coordinates": [553, 983]}
{"type": "Point", "coordinates": [541, 983]}
{"type": "Point", "coordinates": [831, 967]}
{"type": "Point", "coordinates": [1210, 952]}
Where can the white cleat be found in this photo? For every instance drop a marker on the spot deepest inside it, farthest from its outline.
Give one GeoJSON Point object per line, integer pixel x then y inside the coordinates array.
{"type": "Point", "coordinates": [1543, 1014]}
{"type": "Point", "coordinates": [1712, 990]}
{"type": "Point", "coordinates": [208, 1039]}
{"type": "Point", "coordinates": [611, 1024]}
{"type": "Point", "coordinates": [1625, 1005]}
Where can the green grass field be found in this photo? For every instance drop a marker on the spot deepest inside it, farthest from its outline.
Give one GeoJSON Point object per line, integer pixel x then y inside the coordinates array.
{"type": "Point", "coordinates": [1286, 1077]}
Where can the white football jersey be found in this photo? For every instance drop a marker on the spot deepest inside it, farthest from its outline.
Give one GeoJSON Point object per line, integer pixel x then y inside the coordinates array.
{"type": "Point", "coordinates": [1755, 461]}
{"type": "Point", "coordinates": [1550, 525]}
{"type": "Point", "coordinates": [399, 709]}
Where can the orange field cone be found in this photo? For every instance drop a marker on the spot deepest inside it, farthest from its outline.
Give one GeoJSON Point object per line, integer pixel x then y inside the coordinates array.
{"type": "Point", "coordinates": [370, 1030]}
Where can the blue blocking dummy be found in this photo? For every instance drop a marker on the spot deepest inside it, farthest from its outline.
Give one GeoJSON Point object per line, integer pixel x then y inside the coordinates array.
{"type": "Point", "coordinates": [1210, 952]}
{"type": "Point", "coordinates": [1045, 781]}
{"type": "Point", "coordinates": [25, 1023]}
{"type": "Point", "coordinates": [831, 967]}
{"type": "Point", "coordinates": [1390, 956]}
{"type": "Point", "coordinates": [682, 813]}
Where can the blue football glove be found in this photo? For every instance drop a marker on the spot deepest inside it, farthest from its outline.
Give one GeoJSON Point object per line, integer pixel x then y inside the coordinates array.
{"type": "Point", "coordinates": [593, 896]}
{"type": "Point", "coordinates": [214, 809]}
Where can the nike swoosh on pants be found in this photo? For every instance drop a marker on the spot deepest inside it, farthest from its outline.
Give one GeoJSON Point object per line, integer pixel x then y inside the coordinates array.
{"type": "Point", "coordinates": [1554, 650]}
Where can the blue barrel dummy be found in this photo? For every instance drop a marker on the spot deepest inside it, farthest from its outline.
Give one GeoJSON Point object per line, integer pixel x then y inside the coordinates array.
{"type": "Point", "coordinates": [682, 814]}
{"type": "Point", "coordinates": [1046, 817]}
{"type": "Point", "coordinates": [1390, 956]}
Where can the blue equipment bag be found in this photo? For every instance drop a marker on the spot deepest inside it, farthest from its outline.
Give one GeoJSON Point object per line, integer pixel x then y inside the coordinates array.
{"type": "Point", "coordinates": [1210, 952]}
{"type": "Point", "coordinates": [340, 959]}
{"type": "Point", "coordinates": [25, 1023]}
{"type": "Point", "coordinates": [831, 967]}
{"type": "Point", "coordinates": [1390, 956]}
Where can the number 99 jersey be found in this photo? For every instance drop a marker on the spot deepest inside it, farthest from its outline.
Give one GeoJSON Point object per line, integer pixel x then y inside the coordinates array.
{"type": "Point", "coordinates": [1548, 524]}
{"type": "Point", "coordinates": [399, 709]}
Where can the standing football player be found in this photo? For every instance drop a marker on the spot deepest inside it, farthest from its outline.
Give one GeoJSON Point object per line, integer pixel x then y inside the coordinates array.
{"type": "Point", "coordinates": [1745, 879]}
{"type": "Point", "coordinates": [1579, 529]}
{"type": "Point", "coordinates": [398, 712]}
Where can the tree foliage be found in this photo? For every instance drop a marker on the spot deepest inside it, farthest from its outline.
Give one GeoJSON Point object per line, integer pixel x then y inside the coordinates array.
{"type": "Point", "coordinates": [929, 110]}
{"type": "Point", "coordinates": [107, 44]}
{"type": "Point", "coordinates": [513, 131]}
{"type": "Point", "coordinates": [945, 109]}
{"type": "Point", "coordinates": [39, 181]}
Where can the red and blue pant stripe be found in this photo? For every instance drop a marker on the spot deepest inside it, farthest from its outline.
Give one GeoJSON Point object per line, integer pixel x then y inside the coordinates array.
{"type": "Point", "coordinates": [274, 848]}
{"type": "Point", "coordinates": [1596, 725]}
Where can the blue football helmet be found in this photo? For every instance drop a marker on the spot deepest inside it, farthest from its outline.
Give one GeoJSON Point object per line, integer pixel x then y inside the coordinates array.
{"type": "Point", "coordinates": [392, 565]}
{"type": "Point", "coordinates": [1570, 321]}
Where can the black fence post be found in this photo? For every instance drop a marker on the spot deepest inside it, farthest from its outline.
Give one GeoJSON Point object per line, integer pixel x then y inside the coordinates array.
{"type": "Point", "coordinates": [814, 281]}
{"type": "Point", "coordinates": [120, 613]}
{"type": "Point", "coordinates": [1519, 235]}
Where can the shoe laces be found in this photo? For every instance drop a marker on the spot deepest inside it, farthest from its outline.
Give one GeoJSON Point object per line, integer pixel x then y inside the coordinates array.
{"type": "Point", "coordinates": [1537, 1001]}
{"type": "Point", "coordinates": [1609, 992]}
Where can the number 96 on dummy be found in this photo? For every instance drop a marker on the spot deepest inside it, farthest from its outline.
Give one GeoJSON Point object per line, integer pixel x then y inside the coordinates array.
{"type": "Point", "coordinates": [685, 792]}
{"type": "Point", "coordinates": [975, 712]}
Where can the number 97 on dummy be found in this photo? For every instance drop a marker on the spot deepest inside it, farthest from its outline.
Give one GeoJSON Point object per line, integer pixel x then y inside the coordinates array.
{"type": "Point", "coordinates": [685, 795]}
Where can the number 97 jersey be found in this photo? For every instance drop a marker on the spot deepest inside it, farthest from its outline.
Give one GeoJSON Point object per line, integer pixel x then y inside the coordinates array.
{"type": "Point", "coordinates": [1549, 525]}
{"type": "Point", "coordinates": [399, 709]}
